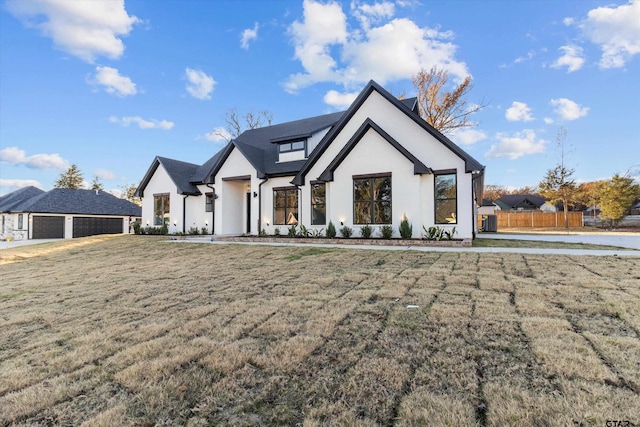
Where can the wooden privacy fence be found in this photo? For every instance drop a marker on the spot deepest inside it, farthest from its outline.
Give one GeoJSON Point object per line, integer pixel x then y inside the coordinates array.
{"type": "Point", "coordinates": [535, 219]}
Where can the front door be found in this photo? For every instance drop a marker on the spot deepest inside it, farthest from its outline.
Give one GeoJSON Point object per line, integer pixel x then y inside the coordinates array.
{"type": "Point", "coordinates": [248, 226]}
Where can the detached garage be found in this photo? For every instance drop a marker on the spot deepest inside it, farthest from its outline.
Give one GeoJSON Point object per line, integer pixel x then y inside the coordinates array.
{"type": "Point", "coordinates": [30, 213]}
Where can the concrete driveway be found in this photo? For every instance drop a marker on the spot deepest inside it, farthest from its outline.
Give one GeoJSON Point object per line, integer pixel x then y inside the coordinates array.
{"type": "Point", "coordinates": [623, 240]}
{"type": "Point", "coordinates": [17, 243]}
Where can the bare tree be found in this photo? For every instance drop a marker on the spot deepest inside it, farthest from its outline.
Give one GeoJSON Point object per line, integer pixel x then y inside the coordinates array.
{"type": "Point", "coordinates": [558, 184]}
{"type": "Point", "coordinates": [128, 192]}
{"type": "Point", "coordinates": [445, 111]}
{"type": "Point", "coordinates": [236, 124]}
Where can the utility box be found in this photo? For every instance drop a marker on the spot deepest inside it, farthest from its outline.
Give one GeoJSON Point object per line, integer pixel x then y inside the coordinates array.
{"type": "Point", "coordinates": [490, 223]}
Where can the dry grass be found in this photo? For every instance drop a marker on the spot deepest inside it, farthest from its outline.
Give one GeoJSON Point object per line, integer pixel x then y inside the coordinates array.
{"type": "Point", "coordinates": [132, 330]}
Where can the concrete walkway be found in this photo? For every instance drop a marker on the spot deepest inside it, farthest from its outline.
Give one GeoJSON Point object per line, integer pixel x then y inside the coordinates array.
{"type": "Point", "coordinates": [540, 251]}
{"type": "Point", "coordinates": [17, 243]}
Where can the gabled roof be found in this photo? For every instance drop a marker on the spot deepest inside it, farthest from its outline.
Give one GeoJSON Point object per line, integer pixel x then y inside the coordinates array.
{"type": "Point", "coordinates": [514, 201]}
{"type": "Point", "coordinates": [179, 172]}
{"type": "Point", "coordinates": [9, 201]}
{"type": "Point", "coordinates": [471, 165]}
{"type": "Point", "coordinates": [418, 167]}
{"type": "Point", "coordinates": [86, 202]}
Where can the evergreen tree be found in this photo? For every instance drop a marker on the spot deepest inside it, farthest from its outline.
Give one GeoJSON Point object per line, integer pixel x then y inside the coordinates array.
{"type": "Point", "coordinates": [96, 184]}
{"type": "Point", "coordinates": [71, 178]}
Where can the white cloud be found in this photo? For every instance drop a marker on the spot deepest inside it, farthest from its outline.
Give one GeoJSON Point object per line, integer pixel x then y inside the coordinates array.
{"type": "Point", "coordinates": [548, 120]}
{"type": "Point", "coordinates": [218, 134]}
{"type": "Point", "coordinates": [16, 156]}
{"type": "Point", "coordinates": [142, 123]}
{"type": "Point", "coordinates": [528, 57]}
{"type": "Point", "coordinates": [249, 35]}
{"type": "Point", "coordinates": [568, 109]}
{"type": "Point", "coordinates": [467, 136]}
{"type": "Point", "coordinates": [372, 13]}
{"type": "Point", "coordinates": [616, 29]}
{"type": "Point", "coordinates": [519, 111]}
{"type": "Point", "coordinates": [200, 85]}
{"type": "Point", "coordinates": [104, 174]}
{"type": "Point", "coordinates": [392, 50]}
{"type": "Point", "coordinates": [113, 82]}
{"type": "Point", "coordinates": [339, 100]}
{"type": "Point", "coordinates": [516, 145]}
{"type": "Point", "coordinates": [19, 183]}
{"type": "Point", "coordinates": [85, 29]}
{"type": "Point", "coordinates": [573, 58]}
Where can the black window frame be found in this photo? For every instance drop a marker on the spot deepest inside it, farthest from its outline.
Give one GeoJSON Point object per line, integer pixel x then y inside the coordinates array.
{"type": "Point", "coordinates": [375, 205]}
{"type": "Point", "coordinates": [318, 204]}
{"type": "Point", "coordinates": [208, 202]}
{"type": "Point", "coordinates": [165, 209]}
{"type": "Point", "coordinates": [20, 221]}
{"type": "Point", "coordinates": [439, 201]}
{"type": "Point", "coordinates": [288, 147]}
{"type": "Point", "coordinates": [288, 210]}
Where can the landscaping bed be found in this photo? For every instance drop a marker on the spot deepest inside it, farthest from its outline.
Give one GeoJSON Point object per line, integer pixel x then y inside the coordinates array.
{"type": "Point", "coordinates": [456, 243]}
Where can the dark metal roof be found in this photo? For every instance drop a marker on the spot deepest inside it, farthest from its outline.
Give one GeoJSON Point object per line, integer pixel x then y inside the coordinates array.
{"type": "Point", "coordinates": [179, 172]}
{"type": "Point", "coordinates": [84, 202]}
{"type": "Point", "coordinates": [9, 201]}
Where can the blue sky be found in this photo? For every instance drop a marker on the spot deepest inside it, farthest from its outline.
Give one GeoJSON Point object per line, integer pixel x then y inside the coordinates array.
{"type": "Point", "coordinates": [109, 85]}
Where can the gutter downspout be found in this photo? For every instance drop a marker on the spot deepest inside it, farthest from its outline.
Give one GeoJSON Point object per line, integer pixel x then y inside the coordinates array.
{"type": "Point", "coordinates": [28, 228]}
{"type": "Point", "coordinates": [213, 207]}
{"type": "Point", "coordinates": [260, 204]}
{"type": "Point", "coordinates": [184, 213]}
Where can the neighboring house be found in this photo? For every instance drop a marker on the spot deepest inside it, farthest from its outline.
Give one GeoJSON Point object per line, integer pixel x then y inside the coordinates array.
{"type": "Point", "coordinates": [371, 164]}
{"type": "Point", "coordinates": [524, 202]}
{"type": "Point", "coordinates": [487, 208]}
{"type": "Point", "coordinates": [30, 213]}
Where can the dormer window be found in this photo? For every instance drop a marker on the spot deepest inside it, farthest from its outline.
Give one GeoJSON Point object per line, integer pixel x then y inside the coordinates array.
{"type": "Point", "coordinates": [292, 146]}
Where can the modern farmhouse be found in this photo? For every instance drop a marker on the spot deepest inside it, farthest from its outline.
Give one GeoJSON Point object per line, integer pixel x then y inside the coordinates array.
{"type": "Point", "coordinates": [374, 163]}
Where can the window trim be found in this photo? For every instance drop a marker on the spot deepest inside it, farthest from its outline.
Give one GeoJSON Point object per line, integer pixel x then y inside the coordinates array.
{"type": "Point", "coordinates": [282, 145]}
{"type": "Point", "coordinates": [208, 202]}
{"type": "Point", "coordinates": [20, 221]}
{"type": "Point", "coordinates": [371, 178]}
{"type": "Point", "coordinates": [287, 210]}
{"type": "Point", "coordinates": [324, 204]}
{"type": "Point", "coordinates": [164, 220]}
{"type": "Point", "coordinates": [437, 174]}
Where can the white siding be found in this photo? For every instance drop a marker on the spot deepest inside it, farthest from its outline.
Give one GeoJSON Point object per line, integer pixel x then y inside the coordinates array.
{"type": "Point", "coordinates": [161, 183]}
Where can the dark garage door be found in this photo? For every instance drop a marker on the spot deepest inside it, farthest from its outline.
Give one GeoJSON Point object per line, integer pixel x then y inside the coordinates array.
{"type": "Point", "coordinates": [87, 226]}
{"type": "Point", "coordinates": [48, 227]}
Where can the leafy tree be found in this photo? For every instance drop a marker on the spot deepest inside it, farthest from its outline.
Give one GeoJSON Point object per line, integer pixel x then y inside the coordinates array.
{"type": "Point", "coordinates": [71, 178]}
{"type": "Point", "coordinates": [558, 184]}
{"type": "Point", "coordinates": [445, 111]}
{"type": "Point", "coordinates": [618, 194]}
{"type": "Point", "coordinates": [96, 184]}
{"type": "Point", "coordinates": [128, 192]}
{"type": "Point", "coordinates": [236, 124]}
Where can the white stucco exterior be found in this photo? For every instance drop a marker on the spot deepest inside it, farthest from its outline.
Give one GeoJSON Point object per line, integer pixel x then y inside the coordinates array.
{"type": "Point", "coordinates": [244, 200]}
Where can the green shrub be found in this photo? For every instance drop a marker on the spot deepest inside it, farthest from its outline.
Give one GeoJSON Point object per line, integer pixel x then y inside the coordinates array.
{"type": "Point", "coordinates": [366, 231]}
{"type": "Point", "coordinates": [137, 228]}
{"type": "Point", "coordinates": [263, 233]}
{"type": "Point", "coordinates": [317, 233]}
{"type": "Point", "coordinates": [276, 231]}
{"type": "Point", "coordinates": [304, 231]}
{"type": "Point", "coordinates": [405, 229]}
{"type": "Point", "coordinates": [346, 232]}
{"type": "Point", "coordinates": [194, 231]}
{"type": "Point", "coordinates": [293, 230]}
{"type": "Point", "coordinates": [386, 231]}
{"type": "Point", "coordinates": [204, 231]}
{"type": "Point", "coordinates": [331, 230]}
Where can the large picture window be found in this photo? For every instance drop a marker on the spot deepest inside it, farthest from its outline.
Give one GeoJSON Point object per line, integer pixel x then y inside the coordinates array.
{"type": "Point", "coordinates": [285, 206]}
{"type": "Point", "coordinates": [446, 205]}
{"type": "Point", "coordinates": [161, 209]}
{"type": "Point", "coordinates": [318, 203]}
{"type": "Point", "coordinates": [372, 199]}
